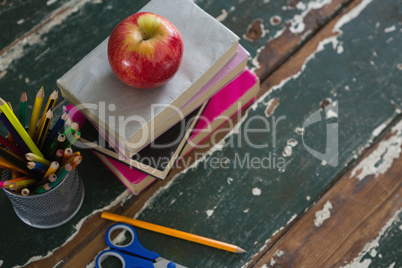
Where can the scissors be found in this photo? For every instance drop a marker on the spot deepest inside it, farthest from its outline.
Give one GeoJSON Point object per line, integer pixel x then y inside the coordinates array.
{"type": "Point", "coordinates": [133, 254]}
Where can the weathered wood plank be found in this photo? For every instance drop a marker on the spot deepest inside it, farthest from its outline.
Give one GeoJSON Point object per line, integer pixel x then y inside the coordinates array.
{"type": "Point", "coordinates": [283, 195]}
{"type": "Point", "coordinates": [56, 45]}
{"type": "Point", "coordinates": [247, 206]}
{"type": "Point", "coordinates": [344, 227]}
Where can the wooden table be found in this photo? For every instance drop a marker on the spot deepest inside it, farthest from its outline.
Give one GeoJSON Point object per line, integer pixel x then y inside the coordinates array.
{"type": "Point", "coordinates": [312, 204]}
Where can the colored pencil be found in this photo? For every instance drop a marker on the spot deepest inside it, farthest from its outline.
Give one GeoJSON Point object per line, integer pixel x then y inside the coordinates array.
{"type": "Point", "coordinates": [52, 177]}
{"type": "Point", "coordinates": [23, 109]}
{"type": "Point", "coordinates": [36, 112]}
{"type": "Point", "coordinates": [16, 185]}
{"type": "Point", "coordinates": [71, 129]}
{"type": "Point", "coordinates": [7, 165]}
{"type": "Point", "coordinates": [9, 157]}
{"type": "Point", "coordinates": [19, 128]}
{"type": "Point", "coordinates": [56, 146]}
{"type": "Point", "coordinates": [37, 166]}
{"type": "Point", "coordinates": [13, 132]}
{"type": "Point", "coordinates": [44, 129]}
{"type": "Point", "coordinates": [56, 128]}
{"type": "Point", "coordinates": [173, 232]}
{"type": "Point", "coordinates": [51, 102]}
{"type": "Point", "coordinates": [11, 146]}
{"type": "Point", "coordinates": [71, 140]}
{"type": "Point", "coordinates": [62, 174]}
{"type": "Point", "coordinates": [59, 156]}
{"type": "Point", "coordinates": [52, 169]}
{"type": "Point", "coordinates": [10, 134]}
{"type": "Point", "coordinates": [33, 157]}
{"type": "Point", "coordinates": [67, 153]}
{"type": "Point", "coordinates": [25, 192]}
{"type": "Point", "coordinates": [43, 188]}
{"type": "Point", "coordinates": [6, 184]}
{"type": "Point", "coordinates": [77, 160]}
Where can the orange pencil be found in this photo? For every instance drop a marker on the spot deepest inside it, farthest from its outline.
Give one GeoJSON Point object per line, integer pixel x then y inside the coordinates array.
{"type": "Point", "coordinates": [77, 161]}
{"type": "Point", "coordinates": [8, 165]}
{"type": "Point", "coordinates": [173, 232]}
{"type": "Point", "coordinates": [69, 160]}
{"type": "Point", "coordinates": [67, 153]}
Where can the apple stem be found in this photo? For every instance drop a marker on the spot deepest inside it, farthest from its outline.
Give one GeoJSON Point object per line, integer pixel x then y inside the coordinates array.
{"type": "Point", "coordinates": [144, 36]}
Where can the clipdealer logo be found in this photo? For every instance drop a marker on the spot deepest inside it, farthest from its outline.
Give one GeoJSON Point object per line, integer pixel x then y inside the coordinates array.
{"type": "Point", "coordinates": [329, 114]}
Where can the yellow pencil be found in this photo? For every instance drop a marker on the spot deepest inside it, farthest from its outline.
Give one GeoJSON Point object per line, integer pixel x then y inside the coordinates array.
{"type": "Point", "coordinates": [36, 112]}
{"type": "Point", "coordinates": [51, 102]}
{"type": "Point", "coordinates": [19, 128]}
{"type": "Point", "coordinates": [172, 232]}
{"type": "Point", "coordinates": [52, 169]}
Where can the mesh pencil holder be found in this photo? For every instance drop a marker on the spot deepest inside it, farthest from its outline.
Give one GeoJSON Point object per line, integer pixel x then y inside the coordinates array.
{"type": "Point", "coordinates": [52, 208]}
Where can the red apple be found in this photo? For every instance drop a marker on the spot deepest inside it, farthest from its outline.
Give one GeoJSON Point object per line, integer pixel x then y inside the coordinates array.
{"type": "Point", "coordinates": [145, 50]}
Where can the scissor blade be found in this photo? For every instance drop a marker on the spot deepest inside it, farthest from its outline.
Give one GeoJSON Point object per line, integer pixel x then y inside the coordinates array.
{"type": "Point", "coordinates": [163, 263]}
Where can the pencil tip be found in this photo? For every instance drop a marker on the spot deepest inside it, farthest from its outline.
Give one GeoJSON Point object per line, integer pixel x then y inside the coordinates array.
{"type": "Point", "coordinates": [2, 102]}
{"type": "Point", "coordinates": [239, 250]}
{"type": "Point", "coordinates": [24, 97]}
{"type": "Point", "coordinates": [41, 93]}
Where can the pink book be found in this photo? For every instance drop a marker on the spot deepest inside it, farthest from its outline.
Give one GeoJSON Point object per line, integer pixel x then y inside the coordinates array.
{"type": "Point", "coordinates": [234, 97]}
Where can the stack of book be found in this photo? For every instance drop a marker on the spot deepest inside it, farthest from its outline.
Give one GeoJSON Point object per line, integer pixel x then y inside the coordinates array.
{"type": "Point", "coordinates": [139, 134]}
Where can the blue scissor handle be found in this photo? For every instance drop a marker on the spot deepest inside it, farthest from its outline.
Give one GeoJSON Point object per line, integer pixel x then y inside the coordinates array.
{"type": "Point", "coordinates": [144, 257]}
{"type": "Point", "coordinates": [127, 261]}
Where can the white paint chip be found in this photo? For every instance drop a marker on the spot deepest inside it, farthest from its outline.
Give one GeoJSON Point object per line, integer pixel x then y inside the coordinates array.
{"type": "Point", "coordinates": [292, 142]}
{"type": "Point", "coordinates": [210, 212]}
{"type": "Point", "coordinates": [21, 21]}
{"type": "Point", "coordinates": [299, 131]}
{"type": "Point", "coordinates": [331, 114]}
{"type": "Point", "coordinates": [377, 131]}
{"type": "Point", "coordinates": [373, 252]}
{"type": "Point", "coordinates": [381, 159]}
{"type": "Point", "coordinates": [308, 198]}
{"type": "Point", "coordinates": [222, 16]}
{"type": "Point", "coordinates": [287, 151]}
{"type": "Point", "coordinates": [256, 191]}
{"type": "Point", "coordinates": [229, 180]}
{"type": "Point", "coordinates": [390, 29]}
{"type": "Point", "coordinates": [50, 2]}
{"type": "Point", "coordinates": [278, 253]}
{"type": "Point", "coordinates": [323, 214]}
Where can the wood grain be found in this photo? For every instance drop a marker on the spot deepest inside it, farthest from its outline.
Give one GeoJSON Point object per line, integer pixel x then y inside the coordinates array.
{"type": "Point", "coordinates": [359, 210]}
{"type": "Point", "coordinates": [278, 50]}
{"type": "Point", "coordinates": [85, 246]}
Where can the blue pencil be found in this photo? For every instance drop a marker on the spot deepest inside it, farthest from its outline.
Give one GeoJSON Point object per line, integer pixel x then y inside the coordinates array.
{"type": "Point", "coordinates": [55, 130]}
{"type": "Point", "coordinates": [37, 166]}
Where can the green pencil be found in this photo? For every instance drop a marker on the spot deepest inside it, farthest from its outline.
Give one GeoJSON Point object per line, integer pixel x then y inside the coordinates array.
{"type": "Point", "coordinates": [23, 109]}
